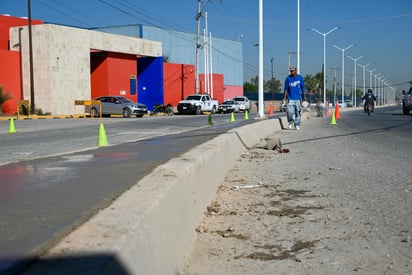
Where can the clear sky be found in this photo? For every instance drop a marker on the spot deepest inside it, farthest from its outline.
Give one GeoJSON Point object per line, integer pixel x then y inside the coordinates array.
{"type": "Point", "coordinates": [379, 29]}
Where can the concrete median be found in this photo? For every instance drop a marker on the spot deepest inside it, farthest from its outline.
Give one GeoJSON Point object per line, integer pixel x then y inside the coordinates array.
{"type": "Point", "coordinates": [151, 227]}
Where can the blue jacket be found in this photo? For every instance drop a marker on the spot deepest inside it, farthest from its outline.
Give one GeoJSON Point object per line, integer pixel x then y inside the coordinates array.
{"type": "Point", "coordinates": [294, 87]}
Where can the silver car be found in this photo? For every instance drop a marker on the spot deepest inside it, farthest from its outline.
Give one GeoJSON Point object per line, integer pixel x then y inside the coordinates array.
{"type": "Point", "coordinates": [117, 105]}
{"type": "Point", "coordinates": [243, 102]}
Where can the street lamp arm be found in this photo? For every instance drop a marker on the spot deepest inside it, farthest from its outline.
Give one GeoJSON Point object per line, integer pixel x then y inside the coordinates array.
{"type": "Point", "coordinates": [364, 66]}
{"type": "Point", "coordinates": [356, 59]}
{"type": "Point", "coordinates": [334, 29]}
{"type": "Point", "coordinates": [315, 30]}
{"type": "Point", "coordinates": [344, 49]}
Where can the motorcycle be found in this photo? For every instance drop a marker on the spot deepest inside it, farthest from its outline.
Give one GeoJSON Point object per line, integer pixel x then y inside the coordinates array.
{"type": "Point", "coordinates": [160, 108]}
{"type": "Point", "coordinates": [369, 108]}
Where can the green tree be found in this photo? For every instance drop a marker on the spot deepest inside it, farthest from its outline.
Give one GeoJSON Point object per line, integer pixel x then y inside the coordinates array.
{"type": "Point", "coordinates": [274, 85]}
{"type": "Point", "coordinates": [166, 58]}
{"type": "Point", "coordinates": [313, 84]}
{"type": "Point", "coordinates": [252, 86]}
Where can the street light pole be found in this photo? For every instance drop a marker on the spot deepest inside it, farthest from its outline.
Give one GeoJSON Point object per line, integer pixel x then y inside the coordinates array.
{"type": "Point", "coordinates": [324, 58]}
{"type": "Point", "coordinates": [355, 60]}
{"type": "Point", "coordinates": [376, 86]}
{"type": "Point", "coordinates": [370, 77]}
{"type": "Point", "coordinates": [380, 91]}
{"type": "Point", "coordinates": [343, 70]}
{"type": "Point", "coordinates": [364, 67]}
{"type": "Point", "coordinates": [298, 37]}
{"type": "Point", "coordinates": [260, 87]}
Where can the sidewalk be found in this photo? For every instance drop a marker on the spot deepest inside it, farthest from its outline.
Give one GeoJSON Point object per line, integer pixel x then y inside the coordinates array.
{"type": "Point", "coordinates": [291, 213]}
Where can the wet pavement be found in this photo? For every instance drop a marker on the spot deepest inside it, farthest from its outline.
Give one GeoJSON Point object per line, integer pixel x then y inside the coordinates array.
{"type": "Point", "coordinates": [44, 199]}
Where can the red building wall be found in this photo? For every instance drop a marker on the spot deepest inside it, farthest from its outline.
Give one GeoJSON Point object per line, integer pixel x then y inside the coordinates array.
{"type": "Point", "coordinates": [10, 78]}
{"type": "Point", "coordinates": [232, 91]}
{"type": "Point", "coordinates": [6, 22]}
{"type": "Point", "coordinates": [111, 74]}
{"type": "Point", "coordinates": [218, 86]}
{"type": "Point", "coordinates": [179, 82]}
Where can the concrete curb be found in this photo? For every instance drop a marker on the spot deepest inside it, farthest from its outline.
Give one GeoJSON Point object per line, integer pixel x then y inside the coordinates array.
{"type": "Point", "coordinates": [151, 227]}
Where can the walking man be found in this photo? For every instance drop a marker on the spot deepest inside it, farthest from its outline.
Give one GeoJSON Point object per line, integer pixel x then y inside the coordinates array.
{"type": "Point", "coordinates": [293, 92]}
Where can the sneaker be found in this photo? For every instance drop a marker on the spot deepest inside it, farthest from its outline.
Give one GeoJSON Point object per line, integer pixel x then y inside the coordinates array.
{"type": "Point", "coordinates": [297, 127]}
{"type": "Point", "coordinates": [290, 126]}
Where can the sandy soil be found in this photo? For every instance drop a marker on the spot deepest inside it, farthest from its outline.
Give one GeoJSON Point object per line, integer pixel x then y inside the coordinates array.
{"type": "Point", "coordinates": [282, 214]}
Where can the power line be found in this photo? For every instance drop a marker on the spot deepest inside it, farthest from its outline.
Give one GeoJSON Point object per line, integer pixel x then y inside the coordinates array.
{"type": "Point", "coordinates": [62, 13]}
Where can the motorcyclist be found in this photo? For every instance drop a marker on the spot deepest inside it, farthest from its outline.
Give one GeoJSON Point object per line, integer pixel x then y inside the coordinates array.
{"type": "Point", "coordinates": [369, 98]}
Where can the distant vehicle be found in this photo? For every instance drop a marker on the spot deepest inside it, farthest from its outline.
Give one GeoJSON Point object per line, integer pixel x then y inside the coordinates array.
{"type": "Point", "coordinates": [197, 103]}
{"type": "Point", "coordinates": [117, 105]}
{"type": "Point", "coordinates": [244, 103]}
{"type": "Point", "coordinates": [407, 102]}
{"type": "Point", "coordinates": [163, 109]}
{"type": "Point", "coordinates": [348, 103]}
{"type": "Point", "coordinates": [229, 106]}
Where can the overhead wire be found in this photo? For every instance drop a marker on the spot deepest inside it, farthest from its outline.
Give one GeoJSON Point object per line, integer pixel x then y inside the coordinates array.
{"type": "Point", "coordinates": [59, 11]}
{"type": "Point", "coordinates": [146, 17]}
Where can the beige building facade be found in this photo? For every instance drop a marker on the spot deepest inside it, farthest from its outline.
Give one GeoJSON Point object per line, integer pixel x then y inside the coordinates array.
{"type": "Point", "coordinates": [61, 62]}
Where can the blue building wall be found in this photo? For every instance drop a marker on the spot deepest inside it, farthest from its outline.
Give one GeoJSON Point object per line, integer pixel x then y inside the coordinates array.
{"type": "Point", "coordinates": [180, 47]}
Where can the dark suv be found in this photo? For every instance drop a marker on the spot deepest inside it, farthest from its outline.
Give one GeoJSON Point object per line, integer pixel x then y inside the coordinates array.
{"type": "Point", "coordinates": [407, 101]}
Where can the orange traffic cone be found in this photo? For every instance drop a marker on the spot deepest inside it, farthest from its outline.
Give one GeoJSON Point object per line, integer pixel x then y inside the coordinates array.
{"type": "Point", "coordinates": [270, 110]}
{"type": "Point", "coordinates": [337, 113]}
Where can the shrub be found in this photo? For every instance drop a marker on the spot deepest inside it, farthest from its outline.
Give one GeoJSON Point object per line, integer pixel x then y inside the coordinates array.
{"type": "Point", "coordinates": [4, 96]}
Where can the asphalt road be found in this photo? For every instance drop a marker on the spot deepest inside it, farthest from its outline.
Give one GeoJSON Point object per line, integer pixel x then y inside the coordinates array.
{"type": "Point", "coordinates": [68, 178]}
{"type": "Point", "coordinates": [54, 177]}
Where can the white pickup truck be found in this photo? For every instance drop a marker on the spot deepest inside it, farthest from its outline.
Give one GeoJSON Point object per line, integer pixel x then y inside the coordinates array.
{"type": "Point", "coordinates": [197, 103]}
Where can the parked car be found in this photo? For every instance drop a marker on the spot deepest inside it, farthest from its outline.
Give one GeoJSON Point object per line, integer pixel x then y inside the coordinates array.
{"type": "Point", "coordinates": [117, 105]}
{"type": "Point", "coordinates": [348, 103]}
{"type": "Point", "coordinates": [229, 106]}
{"type": "Point", "coordinates": [244, 102]}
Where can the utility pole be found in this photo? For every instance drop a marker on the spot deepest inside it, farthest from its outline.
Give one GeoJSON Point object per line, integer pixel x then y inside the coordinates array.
{"type": "Point", "coordinates": [334, 84]}
{"type": "Point", "coordinates": [289, 54]}
{"type": "Point", "coordinates": [198, 46]}
{"type": "Point", "coordinates": [272, 81]}
{"type": "Point", "coordinates": [32, 106]}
